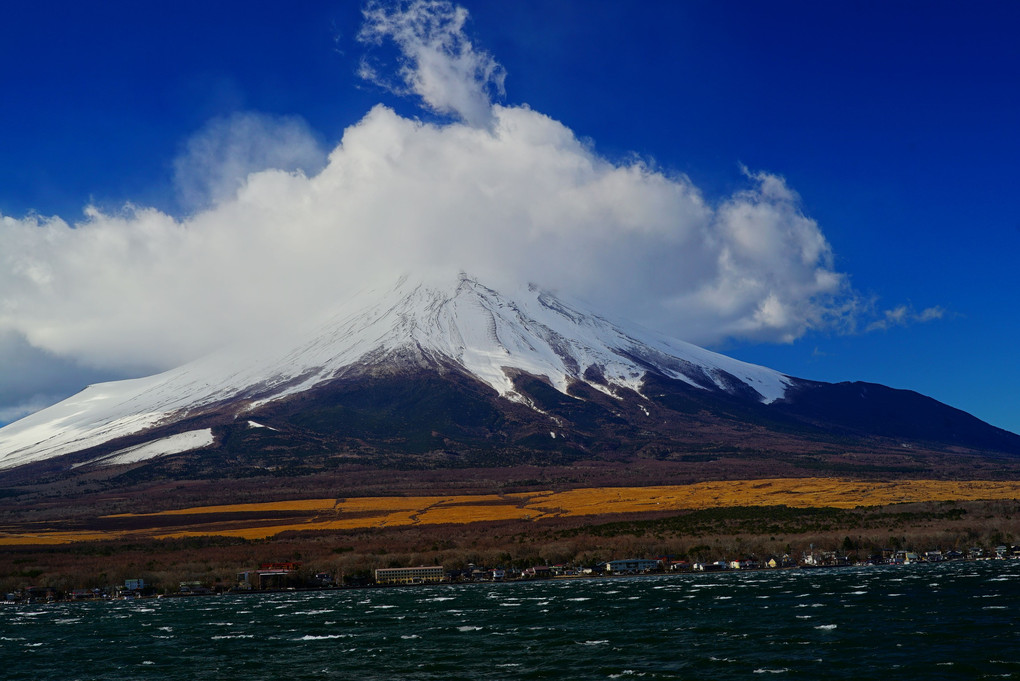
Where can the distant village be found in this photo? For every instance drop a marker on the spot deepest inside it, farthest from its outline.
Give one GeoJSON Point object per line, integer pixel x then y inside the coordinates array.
{"type": "Point", "coordinates": [291, 576]}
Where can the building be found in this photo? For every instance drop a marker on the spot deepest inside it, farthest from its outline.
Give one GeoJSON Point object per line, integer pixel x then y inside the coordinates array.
{"type": "Point", "coordinates": [409, 575]}
{"type": "Point", "coordinates": [42, 594]}
{"type": "Point", "coordinates": [631, 566]}
{"type": "Point", "coordinates": [745, 564]}
{"type": "Point", "coordinates": [271, 576]}
{"type": "Point", "coordinates": [783, 561]}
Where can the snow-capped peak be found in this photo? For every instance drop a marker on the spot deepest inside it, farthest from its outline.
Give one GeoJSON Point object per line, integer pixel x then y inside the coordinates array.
{"type": "Point", "coordinates": [454, 322]}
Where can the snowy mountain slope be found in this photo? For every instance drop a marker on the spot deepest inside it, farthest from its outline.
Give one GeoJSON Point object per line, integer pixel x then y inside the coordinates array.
{"type": "Point", "coordinates": [457, 321]}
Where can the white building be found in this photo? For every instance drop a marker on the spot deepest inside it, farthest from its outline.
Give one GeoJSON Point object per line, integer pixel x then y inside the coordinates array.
{"type": "Point", "coordinates": [409, 575]}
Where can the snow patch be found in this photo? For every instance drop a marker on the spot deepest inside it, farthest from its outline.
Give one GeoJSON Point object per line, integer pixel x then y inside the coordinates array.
{"type": "Point", "coordinates": [174, 444]}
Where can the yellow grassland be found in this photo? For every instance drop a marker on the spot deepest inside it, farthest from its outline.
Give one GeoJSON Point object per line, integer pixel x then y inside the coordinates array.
{"type": "Point", "coordinates": [50, 538]}
{"type": "Point", "coordinates": [378, 512]}
{"type": "Point", "coordinates": [295, 505]}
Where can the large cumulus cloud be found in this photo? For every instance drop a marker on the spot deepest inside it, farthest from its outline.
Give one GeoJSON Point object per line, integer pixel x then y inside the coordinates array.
{"type": "Point", "coordinates": [524, 201]}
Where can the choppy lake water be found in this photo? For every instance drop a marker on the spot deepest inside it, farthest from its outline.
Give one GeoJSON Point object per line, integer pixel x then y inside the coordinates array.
{"type": "Point", "coordinates": [951, 620]}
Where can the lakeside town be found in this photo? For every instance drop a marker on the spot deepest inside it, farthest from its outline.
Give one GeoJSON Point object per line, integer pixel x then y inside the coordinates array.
{"type": "Point", "coordinates": [292, 576]}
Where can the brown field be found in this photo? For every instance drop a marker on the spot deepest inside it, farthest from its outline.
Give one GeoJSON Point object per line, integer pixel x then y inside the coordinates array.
{"type": "Point", "coordinates": [264, 520]}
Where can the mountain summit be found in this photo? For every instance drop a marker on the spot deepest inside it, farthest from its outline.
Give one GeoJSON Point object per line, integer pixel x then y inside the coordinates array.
{"type": "Point", "coordinates": [459, 324]}
{"type": "Point", "coordinates": [454, 366]}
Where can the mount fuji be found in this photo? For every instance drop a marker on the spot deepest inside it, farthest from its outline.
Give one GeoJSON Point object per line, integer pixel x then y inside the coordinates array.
{"type": "Point", "coordinates": [450, 372]}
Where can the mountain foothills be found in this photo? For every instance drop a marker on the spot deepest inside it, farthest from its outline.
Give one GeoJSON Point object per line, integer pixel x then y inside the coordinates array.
{"type": "Point", "coordinates": [452, 375]}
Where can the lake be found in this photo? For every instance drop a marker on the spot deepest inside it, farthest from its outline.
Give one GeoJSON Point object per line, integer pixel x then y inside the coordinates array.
{"type": "Point", "coordinates": [949, 620]}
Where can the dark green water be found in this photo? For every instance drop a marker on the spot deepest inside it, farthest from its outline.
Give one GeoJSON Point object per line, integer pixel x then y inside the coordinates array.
{"type": "Point", "coordinates": [948, 621]}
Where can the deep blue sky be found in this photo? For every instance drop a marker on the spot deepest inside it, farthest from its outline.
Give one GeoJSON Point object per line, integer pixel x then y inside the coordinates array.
{"type": "Point", "coordinates": [897, 123]}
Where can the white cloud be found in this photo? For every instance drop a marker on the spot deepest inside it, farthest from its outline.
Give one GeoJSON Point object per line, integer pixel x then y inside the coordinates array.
{"type": "Point", "coordinates": [31, 379]}
{"type": "Point", "coordinates": [524, 201]}
{"type": "Point", "coordinates": [439, 62]}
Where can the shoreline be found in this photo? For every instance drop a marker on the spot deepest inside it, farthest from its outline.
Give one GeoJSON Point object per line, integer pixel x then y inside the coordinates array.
{"type": "Point", "coordinates": [560, 578]}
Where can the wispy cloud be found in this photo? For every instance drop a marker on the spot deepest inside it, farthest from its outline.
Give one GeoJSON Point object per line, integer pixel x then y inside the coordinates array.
{"type": "Point", "coordinates": [216, 160]}
{"type": "Point", "coordinates": [438, 61]}
{"type": "Point", "coordinates": [905, 315]}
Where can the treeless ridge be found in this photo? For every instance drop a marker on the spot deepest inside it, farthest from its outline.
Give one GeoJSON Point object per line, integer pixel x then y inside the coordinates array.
{"type": "Point", "coordinates": [379, 512]}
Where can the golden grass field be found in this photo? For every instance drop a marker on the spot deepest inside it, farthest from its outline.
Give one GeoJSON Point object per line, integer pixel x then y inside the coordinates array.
{"type": "Point", "coordinates": [382, 512]}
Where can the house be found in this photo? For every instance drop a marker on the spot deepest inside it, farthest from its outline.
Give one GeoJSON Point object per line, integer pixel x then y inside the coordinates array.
{"type": "Point", "coordinates": [133, 588]}
{"type": "Point", "coordinates": [825, 559]}
{"type": "Point", "coordinates": [745, 564]}
{"type": "Point", "coordinates": [85, 595]}
{"type": "Point", "coordinates": [783, 561]}
{"type": "Point", "coordinates": [41, 594]}
{"type": "Point", "coordinates": [323, 579]}
{"type": "Point", "coordinates": [538, 572]}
